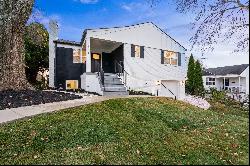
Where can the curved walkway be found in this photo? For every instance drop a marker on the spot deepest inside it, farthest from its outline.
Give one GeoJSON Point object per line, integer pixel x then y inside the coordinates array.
{"type": "Point", "coordinates": [12, 114]}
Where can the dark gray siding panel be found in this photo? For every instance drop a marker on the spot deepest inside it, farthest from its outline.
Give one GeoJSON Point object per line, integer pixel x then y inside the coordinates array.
{"type": "Point", "coordinates": [66, 69]}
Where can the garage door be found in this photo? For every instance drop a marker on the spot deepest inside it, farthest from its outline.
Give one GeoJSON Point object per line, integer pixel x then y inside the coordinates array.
{"type": "Point", "coordinates": [169, 89]}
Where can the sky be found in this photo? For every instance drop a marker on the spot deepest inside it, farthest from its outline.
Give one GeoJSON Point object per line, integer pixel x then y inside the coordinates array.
{"type": "Point", "coordinates": [74, 16]}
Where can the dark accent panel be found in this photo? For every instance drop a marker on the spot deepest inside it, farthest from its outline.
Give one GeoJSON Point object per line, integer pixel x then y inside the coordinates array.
{"type": "Point", "coordinates": [66, 69]}
{"type": "Point", "coordinates": [162, 57]}
{"type": "Point", "coordinates": [179, 59]}
{"type": "Point", "coordinates": [132, 50]}
{"type": "Point", "coordinates": [142, 52]}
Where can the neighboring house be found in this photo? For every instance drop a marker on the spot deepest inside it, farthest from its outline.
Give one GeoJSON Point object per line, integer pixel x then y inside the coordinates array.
{"type": "Point", "coordinates": [111, 61]}
{"type": "Point", "coordinates": [232, 78]}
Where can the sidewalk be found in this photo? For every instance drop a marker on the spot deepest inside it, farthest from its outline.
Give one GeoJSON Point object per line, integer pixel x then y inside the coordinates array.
{"type": "Point", "coordinates": [12, 114]}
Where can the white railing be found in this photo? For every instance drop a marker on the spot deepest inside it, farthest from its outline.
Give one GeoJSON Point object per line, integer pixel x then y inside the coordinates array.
{"type": "Point", "coordinates": [234, 89]}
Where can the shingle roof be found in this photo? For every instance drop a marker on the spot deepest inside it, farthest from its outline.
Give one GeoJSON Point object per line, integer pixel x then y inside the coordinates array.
{"type": "Point", "coordinates": [61, 41]}
{"type": "Point", "coordinates": [236, 69]}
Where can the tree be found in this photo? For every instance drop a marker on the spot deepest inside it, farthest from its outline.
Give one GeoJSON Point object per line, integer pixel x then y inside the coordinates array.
{"type": "Point", "coordinates": [198, 81]}
{"type": "Point", "coordinates": [36, 50]}
{"type": "Point", "coordinates": [217, 21]}
{"type": "Point", "coordinates": [190, 83]}
{"type": "Point", "coordinates": [14, 15]}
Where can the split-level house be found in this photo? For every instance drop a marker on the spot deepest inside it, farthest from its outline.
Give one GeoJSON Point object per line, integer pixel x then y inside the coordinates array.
{"type": "Point", "coordinates": [111, 61]}
{"type": "Point", "coordinates": [234, 79]}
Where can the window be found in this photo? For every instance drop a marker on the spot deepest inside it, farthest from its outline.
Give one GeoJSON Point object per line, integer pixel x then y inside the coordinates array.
{"type": "Point", "coordinates": [171, 58]}
{"type": "Point", "coordinates": [137, 51]}
{"type": "Point", "coordinates": [71, 84]}
{"type": "Point", "coordinates": [76, 56]}
{"type": "Point", "coordinates": [210, 81]}
{"type": "Point", "coordinates": [83, 56]}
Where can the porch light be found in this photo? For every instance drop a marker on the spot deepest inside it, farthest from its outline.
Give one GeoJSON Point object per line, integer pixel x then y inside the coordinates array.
{"type": "Point", "coordinates": [158, 82]}
{"type": "Point", "coordinates": [96, 56]}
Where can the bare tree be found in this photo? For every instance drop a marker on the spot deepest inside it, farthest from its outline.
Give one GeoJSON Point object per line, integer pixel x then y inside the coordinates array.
{"type": "Point", "coordinates": [216, 21]}
{"type": "Point", "coordinates": [13, 17]}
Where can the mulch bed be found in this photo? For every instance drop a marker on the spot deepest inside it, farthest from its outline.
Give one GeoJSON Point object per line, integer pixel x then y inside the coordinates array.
{"type": "Point", "coordinates": [14, 99]}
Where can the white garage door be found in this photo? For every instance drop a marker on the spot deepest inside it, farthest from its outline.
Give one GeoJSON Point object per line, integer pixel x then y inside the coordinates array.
{"type": "Point", "coordinates": [169, 89]}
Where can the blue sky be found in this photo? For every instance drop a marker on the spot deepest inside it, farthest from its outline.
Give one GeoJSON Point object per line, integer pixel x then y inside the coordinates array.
{"type": "Point", "coordinates": [74, 16]}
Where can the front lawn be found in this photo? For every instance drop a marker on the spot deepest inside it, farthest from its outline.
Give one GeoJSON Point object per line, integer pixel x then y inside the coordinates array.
{"type": "Point", "coordinates": [128, 131]}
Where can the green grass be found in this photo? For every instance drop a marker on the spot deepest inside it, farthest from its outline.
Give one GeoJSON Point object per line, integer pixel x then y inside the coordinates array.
{"type": "Point", "coordinates": [128, 131]}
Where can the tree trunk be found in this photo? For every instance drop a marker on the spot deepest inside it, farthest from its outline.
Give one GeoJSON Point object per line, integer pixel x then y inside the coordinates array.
{"type": "Point", "coordinates": [13, 17]}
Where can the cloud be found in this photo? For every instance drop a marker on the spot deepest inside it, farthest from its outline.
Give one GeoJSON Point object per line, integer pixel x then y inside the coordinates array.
{"type": "Point", "coordinates": [88, 1]}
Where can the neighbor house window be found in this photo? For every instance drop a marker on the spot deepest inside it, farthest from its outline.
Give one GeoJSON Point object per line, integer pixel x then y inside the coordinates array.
{"type": "Point", "coordinates": [84, 56]}
{"type": "Point", "coordinates": [76, 56]}
{"type": "Point", "coordinates": [137, 51]}
{"type": "Point", "coordinates": [71, 84]}
{"type": "Point", "coordinates": [210, 81]}
{"type": "Point", "coordinates": [170, 58]}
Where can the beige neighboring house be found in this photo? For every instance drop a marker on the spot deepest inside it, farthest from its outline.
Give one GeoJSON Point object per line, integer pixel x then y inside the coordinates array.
{"type": "Point", "coordinates": [234, 79]}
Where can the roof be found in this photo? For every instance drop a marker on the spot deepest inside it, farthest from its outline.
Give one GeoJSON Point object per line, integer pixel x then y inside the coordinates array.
{"type": "Point", "coordinates": [61, 41]}
{"type": "Point", "coordinates": [85, 32]}
{"type": "Point", "coordinates": [236, 69]}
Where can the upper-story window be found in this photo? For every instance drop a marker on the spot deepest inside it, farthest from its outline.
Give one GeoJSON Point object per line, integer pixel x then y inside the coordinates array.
{"type": "Point", "coordinates": [84, 56]}
{"type": "Point", "coordinates": [210, 81]}
{"type": "Point", "coordinates": [76, 56]}
{"type": "Point", "coordinates": [137, 51]}
{"type": "Point", "coordinates": [171, 58]}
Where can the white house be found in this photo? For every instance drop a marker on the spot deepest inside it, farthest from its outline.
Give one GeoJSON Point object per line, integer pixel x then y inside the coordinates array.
{"type": "Point", "coordinates": [232, 78]}
{"type": "Point", "coordinates": [111, 61]}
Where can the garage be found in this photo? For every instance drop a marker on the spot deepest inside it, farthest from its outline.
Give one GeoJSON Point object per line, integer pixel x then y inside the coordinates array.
{"type": "Point", "coordinates": [169, 88]}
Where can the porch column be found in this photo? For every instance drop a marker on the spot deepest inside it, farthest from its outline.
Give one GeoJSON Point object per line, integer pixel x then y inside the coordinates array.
{"type": "Point", "coordinates": [88, 56]}
{"type": "Point", "coordinates": [224, 83]}
{"type": "Point", "coordinates": [239, 84]}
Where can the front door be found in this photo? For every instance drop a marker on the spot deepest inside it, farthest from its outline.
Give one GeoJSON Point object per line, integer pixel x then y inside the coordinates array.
{"type": "Point", "coordinates": [225, 83]}
{"type": "Point", "coordinates": [107, 63]}
{"type": "Point", "coordinates": [95, 63]}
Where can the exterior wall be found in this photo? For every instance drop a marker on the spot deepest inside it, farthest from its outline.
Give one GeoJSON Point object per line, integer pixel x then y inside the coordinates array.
{"type": "Point", "coordinates": [145, 72]}
{"type": "Point", "coordinates": [65, 68]}
{"type": "Point", "coordinates": [53, 35]}
{"type": "Point", "coordinates": [90, 83]}
{"type": "Point", "coordinates": [246, 75]}
{"type": "Point", "coordinates": [146, 34]}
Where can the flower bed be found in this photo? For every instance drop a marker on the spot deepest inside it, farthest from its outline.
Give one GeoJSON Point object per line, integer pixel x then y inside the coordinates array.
{"type": "Point", "coordinates": [197, 101]}
{"type": "Point", "coordinates": [14, 99]}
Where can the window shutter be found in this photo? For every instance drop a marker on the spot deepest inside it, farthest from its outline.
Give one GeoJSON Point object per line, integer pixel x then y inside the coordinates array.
{"type": "Point", "coordinates": [132, 50]}
{"type": "Point", "coordinates": [142, 52]}
{"type": "Point", "coordinates": [162, 57]}
{"type": "Point", "coordinates": [179, 59]}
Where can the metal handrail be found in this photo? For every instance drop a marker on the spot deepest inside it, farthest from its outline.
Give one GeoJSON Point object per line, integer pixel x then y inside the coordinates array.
{"type": "Point", "coordinates": [169, 90]}
{"type": "Point", "coordinates": [121, 72]}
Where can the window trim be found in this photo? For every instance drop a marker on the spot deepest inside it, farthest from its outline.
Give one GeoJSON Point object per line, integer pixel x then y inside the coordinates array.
{"type": "Point", "coordinates": [75, 82]}
{"type": "Point", "coordinates": [208, 81]}
{"type": "Point", "coordinates": [169, 64]}
{"type": "Point", "coordinates": [80, 54]}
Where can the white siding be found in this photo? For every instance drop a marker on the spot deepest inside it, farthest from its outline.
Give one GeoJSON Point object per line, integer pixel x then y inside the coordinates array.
{"type": "Point", "coordinates": [246, 75]}
{"type": "Point", "coordinates": [145, 72]}
{"type": "Point", "coordinates": [143, 34]}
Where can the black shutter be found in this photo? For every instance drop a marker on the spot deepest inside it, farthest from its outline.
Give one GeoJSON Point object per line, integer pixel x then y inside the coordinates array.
{"type": "Point", "coordinates": [179, 59]}
{"type": "Point", "coordinates": [132, 50]}
{"type": "Point", "coordinates": [162, 57]}
{"type": "Point", "coordinates": [142, 52]}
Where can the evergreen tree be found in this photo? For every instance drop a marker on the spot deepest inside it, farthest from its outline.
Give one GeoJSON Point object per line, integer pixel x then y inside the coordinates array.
{"type": "Point", "coordinates": [190, 84]}
{"type": "Point", "coordinates": [198, 81]}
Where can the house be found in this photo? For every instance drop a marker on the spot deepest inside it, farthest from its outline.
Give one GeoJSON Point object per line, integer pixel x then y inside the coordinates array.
{"type": "Point", "coordinates": [235, 78]}
{"type": "Point", "coordinates": [111, 61]}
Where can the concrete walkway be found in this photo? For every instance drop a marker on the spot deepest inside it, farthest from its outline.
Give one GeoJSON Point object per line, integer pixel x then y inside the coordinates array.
{"type": "Point", "coordinates": [12, 114]}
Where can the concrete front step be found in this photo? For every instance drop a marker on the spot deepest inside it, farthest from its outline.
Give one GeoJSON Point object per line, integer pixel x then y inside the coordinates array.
{"type": "Point", "coordinates": [115, 89]}
{"type": "Point", "coordinates": [113, 85]}
{"type": "Point", "coordinates": [112, 82]}
{"type": "Point", "coordinates": [106, 93]}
